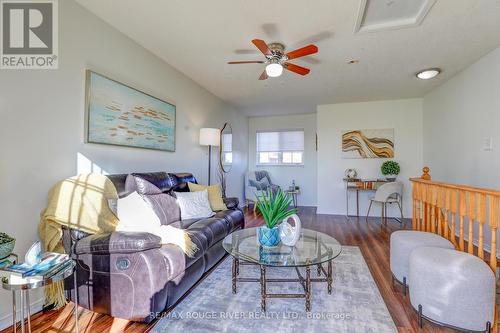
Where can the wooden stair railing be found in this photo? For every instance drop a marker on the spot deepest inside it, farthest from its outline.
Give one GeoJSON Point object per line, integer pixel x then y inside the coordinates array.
{"type": "Point", "coordinates": [459, 213]}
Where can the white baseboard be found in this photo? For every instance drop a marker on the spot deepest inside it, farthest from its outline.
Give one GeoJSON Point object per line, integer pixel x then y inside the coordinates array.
{"type": "Point", "coordinates": [6, 320]}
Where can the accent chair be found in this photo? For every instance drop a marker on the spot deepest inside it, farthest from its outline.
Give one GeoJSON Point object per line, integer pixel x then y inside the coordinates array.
{"type": "Point", "coordinates": [257, 182]}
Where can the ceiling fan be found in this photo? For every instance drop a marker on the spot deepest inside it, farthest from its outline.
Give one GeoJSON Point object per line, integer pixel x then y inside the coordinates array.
{"type": "Point", "coordinates": [277, 59]}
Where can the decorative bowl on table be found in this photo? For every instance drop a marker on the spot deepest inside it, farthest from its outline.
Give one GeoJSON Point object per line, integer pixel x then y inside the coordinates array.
{"type": "Point", "coordinates": [6, 245]}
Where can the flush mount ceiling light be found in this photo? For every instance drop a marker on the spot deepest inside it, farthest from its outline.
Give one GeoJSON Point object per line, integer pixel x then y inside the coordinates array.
{"type": "Point", "coordinates": [428, 74]}
{"type": "Point", "coordinates": [274, 70]}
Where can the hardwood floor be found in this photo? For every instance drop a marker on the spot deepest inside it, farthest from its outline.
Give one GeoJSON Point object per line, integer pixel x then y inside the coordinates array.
{"type": "Point", "coordinates": [372, 237]}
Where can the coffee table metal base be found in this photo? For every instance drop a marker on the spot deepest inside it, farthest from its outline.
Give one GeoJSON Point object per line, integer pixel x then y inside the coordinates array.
{"type": "Point", "coordinates": [305, 281]}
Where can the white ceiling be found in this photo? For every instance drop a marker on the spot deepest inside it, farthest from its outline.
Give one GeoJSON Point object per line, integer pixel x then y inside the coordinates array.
{"type": "Point", "coordinates": [199, 37]}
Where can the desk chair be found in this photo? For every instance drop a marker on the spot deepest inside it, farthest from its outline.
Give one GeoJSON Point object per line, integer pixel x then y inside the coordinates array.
{"type": "Point", "coordinates": [389, 193]}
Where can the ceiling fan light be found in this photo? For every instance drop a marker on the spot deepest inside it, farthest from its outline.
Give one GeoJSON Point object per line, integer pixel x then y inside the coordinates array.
{"type": "Point", "coordinates": [274, 70]}
{"type": "Point", "coordinates": [428, 74]}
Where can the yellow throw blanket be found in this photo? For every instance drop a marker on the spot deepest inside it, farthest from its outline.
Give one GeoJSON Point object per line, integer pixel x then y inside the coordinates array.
{"type": "Point", "coordinates": [81, 203]}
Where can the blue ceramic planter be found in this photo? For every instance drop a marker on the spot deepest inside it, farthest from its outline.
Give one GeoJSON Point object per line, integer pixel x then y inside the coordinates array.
{"type": "Point", "coordinates": [268, 237]}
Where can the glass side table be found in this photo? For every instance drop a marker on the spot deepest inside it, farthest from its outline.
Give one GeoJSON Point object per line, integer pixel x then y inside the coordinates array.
{"type": "Point", "coordinates": [24, 288]}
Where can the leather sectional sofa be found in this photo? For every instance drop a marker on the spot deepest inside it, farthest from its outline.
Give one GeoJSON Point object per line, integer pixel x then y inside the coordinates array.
{"type": "Point", "coordinates": [131, 275]}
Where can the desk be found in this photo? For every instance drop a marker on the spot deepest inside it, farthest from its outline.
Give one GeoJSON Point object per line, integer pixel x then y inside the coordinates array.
{"type": "Point", "coordinates": [355, 184]}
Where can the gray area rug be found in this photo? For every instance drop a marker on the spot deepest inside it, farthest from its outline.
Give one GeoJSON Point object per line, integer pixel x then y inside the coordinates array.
{"type": "Point", "coordinates": [355, 304]}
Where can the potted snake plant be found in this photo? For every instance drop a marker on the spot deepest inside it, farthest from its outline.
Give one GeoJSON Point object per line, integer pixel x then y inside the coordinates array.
{"type": "Point", "coordinates": [275, 208]}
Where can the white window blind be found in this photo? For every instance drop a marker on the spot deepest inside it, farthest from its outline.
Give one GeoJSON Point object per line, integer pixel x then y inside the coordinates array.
{"type": "Point", "coordinates": [280, 141]}
{"type": "Point", "coordinates": [280, 147]}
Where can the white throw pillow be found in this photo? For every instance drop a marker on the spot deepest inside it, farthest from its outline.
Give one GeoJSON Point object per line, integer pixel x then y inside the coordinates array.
{"type": "Point", "coordinates": [135, 214]}
{"type": "Point", "coordinates": [194, 205]}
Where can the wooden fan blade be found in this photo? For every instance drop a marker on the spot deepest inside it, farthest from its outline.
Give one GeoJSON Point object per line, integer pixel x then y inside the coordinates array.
{"type": "Point", "coordinates": [297, 69]}
{"type": "Point", "coordinates": [262, 46]}
{"type": "Point", "coordinates": [304, 51]}
{"type": "Point", "coordinates": [263, 76]}
{"type": "Point", "coordinates": [245, 62]}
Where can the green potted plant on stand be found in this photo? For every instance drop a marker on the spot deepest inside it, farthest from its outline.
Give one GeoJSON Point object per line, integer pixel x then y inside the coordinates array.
{"type": "Point", "coordinates": [275, 208]}
{"type": "Point", "coordinates": [390, 169]}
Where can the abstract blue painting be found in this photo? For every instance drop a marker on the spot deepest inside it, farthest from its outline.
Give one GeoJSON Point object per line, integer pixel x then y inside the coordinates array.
{"type": "Point", "coordinates": [123, 116]}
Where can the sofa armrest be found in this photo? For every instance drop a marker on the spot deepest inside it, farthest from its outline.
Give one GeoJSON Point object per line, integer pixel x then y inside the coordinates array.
{"type": "Point", "coordinates": [231, 203]}
{"type": "Point", "coordinates": [117, 242]}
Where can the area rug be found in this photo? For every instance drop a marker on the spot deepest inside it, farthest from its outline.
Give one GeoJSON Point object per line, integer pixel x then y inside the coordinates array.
{"type": "Point", "coordinates": [355, 304]}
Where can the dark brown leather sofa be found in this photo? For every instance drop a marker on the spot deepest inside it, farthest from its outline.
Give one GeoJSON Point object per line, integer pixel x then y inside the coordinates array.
{"type": "Point", "coordinates": [131, 275]}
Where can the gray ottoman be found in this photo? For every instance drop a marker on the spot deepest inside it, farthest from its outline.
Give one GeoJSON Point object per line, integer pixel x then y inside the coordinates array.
{"type": "Point", "coordinates": [452, 288]}
{"type": "Point", "coordinates": [403, 242]}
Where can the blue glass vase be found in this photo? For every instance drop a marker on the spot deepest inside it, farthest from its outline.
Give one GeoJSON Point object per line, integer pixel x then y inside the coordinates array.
{"type": "Point", "coordinates": [268, 237]}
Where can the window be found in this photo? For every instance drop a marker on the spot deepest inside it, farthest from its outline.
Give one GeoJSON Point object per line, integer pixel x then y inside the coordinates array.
{"type": "Point", "coordinates": [227, 148]}
{"type": "Point", "coordinates": [280, 148]}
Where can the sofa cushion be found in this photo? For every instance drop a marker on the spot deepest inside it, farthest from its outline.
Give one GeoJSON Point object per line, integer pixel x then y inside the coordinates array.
{"type": "Point", "coordinates": [214, 229]}
{"type": "Point", "coordinates": [185, 224]}
{"type": "Point", "coordinates": [136, 214]}
{"type": "Point", "coordinates": [182, 181]}
{"type": "Point", "coordinates": [175, 255]}
{"type": "Point", "coordinates": [142, 186]}
{"type": "Point", "coordinates": [194, 204]}
{"type": "Point", "coordinates": [119, 181]}
{"type": "Point", "coordinates": [214, 195]}
{"type": "Point", "coordinates": [161, 180]}
{"type": "Point", "coordinates": [233, 217]}
{"type": "Point", "coordinates": [164, 205]}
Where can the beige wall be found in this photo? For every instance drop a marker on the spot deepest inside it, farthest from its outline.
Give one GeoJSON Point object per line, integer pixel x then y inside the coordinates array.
{"type": "Point", "coordinates": [405, 116]}
{"type": "Point", "coordinates": [42, 123]}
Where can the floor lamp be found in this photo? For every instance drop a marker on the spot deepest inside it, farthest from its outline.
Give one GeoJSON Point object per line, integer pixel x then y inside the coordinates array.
{"type": "Point", "coordinates": [209, 137]}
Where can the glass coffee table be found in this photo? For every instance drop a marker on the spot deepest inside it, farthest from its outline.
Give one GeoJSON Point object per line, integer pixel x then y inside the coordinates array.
{"type": "Point", "coordinates": [312, 249]}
